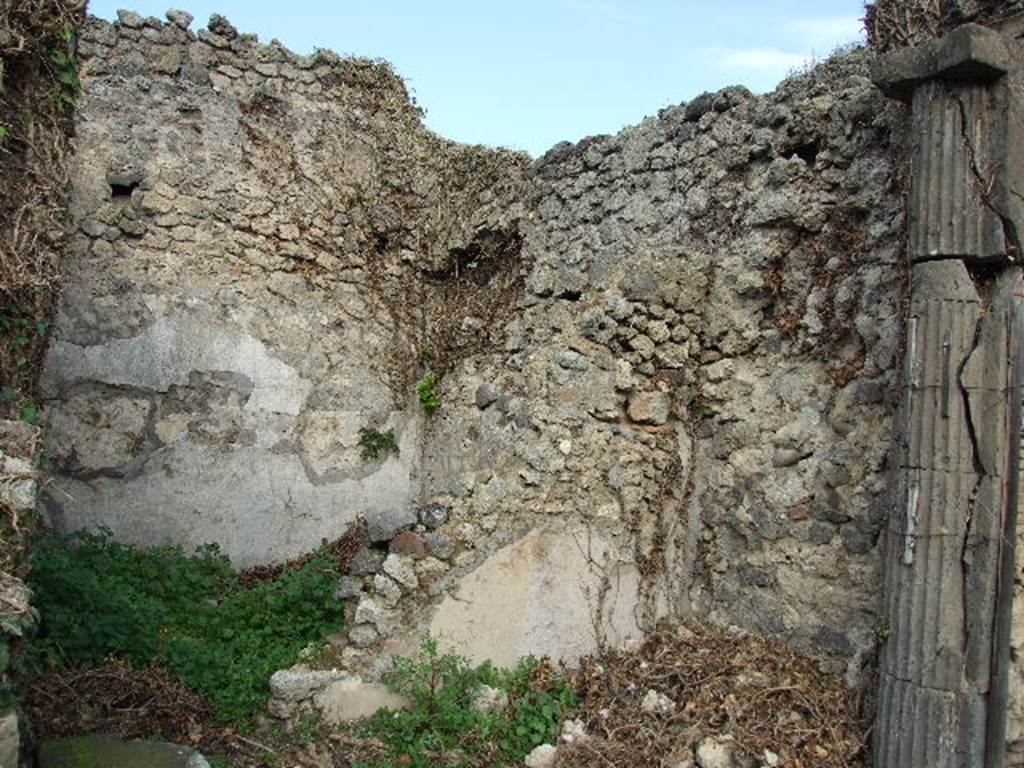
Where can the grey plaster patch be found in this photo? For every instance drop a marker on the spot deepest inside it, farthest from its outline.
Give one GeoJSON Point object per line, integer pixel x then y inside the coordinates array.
{"type": "Point", "coordinates": [168, 351]}
{"type": "Point", "coordinates": [258, 506]}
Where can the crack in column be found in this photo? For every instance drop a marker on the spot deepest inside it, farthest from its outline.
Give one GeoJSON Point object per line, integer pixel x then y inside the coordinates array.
{"type": "Point", "coordinates": [969, 423]}
{"type": "Point", "coordinates": [985, 185]}
{"type": "Point", "coordinates": [966, 566]}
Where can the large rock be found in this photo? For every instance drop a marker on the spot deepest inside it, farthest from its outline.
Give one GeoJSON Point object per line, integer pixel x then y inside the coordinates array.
{"type": "Point", "coordinates": [338, 695]}
{"type": "Point", "coordinates": [350, 698]}
{"type": "Point", "coordinates": [717, 752]}
{"type": "Point", "coordinates": [111, 752]}
{"type": "Point", "coordinates": [299, 683]}
{"type": "Point", "coordinates": [384, 524]}
{"type": "Point", "coordinates": [490, 699]}
{"type": "Point", "coordinates": [541, 757]}
{"type": "Point", "coordinates": [16, 613]}
{"type": "Point", "coordinates": [401, 569]}
{"type": "Point", "coordinates": [650, 408]}
{"type": "Point", "coordinates": [18, 489]}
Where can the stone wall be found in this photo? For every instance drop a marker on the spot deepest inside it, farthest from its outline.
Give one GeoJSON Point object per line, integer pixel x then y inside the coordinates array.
{"type": "Point", "coordinates": [19, 451]}
{"type": "Point", "coordinates": [667, 358]}
{"type": "Point", "coordinates": [235, 302]}
{"type": "Point", "coordinates": [702, 373]}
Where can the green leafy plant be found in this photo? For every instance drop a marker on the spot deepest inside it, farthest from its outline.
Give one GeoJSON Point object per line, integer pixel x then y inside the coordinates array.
{"type": "Point", "coordinates": [192, 614]}
{"type": "Point", "coordinates": [702, 409]}
{"type": "Point", "coordinates": [19, 330]}
{"type": "Point", "coordinates": [65, 64]}
{"type": "Point", "coordinates": [426, 390]}
{"type": "Point", "coordinates": [441, 718]}
{"type": "Point", "coordinates": [22, 341]}
{"type": "Point", "coordinates": [375, 443]}
{"type": "Point", "coordinates": [29, 414]}
{"type": "Point", "coordinates": [307, 730]}
{"type": "Point", "coordinates": [883, 629]}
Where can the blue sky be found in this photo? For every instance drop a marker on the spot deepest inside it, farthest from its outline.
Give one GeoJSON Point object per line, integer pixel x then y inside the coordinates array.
{"type": "Point", "coordinates": [531, 73]}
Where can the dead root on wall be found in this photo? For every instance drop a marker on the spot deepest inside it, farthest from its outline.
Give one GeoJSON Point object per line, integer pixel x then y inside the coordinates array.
{"type": "Point", "coordinates": [894, 24]}
{"type": "Point", "coordinates": [38, 84]}
{"type": "Point", "coordinates": [898, 23]}
{"type": "Point", "coordinates": [468, 298]}
{"type": "Point", "coordinates": [342, 550]}
{"type": "Point", "coordinates": [765, 695]}
{"type": "Point", "coordinates": [446, 282]}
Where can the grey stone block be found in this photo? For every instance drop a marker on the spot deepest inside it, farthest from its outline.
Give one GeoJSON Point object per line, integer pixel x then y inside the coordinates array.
{"type": "Point", "coordinates": [433, 516]}
{"type": "Point", "coordinates": [382, 526]}
{"type": "Point", "coordinates": [130, 19]}
{"type": "Point", "coordinates": [348, 587]}
{"type": "Point", "coordinates": [180, 18]}
{"type": "Point", "coordinates": [366, 562]}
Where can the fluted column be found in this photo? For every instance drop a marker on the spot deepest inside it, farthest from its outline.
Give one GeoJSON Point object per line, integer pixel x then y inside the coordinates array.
{"type": "Point", "coordinates": [953, 503]}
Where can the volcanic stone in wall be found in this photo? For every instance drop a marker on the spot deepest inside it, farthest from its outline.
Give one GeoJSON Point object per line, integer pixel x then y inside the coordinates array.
{"type": "Point", "coordinates": [248, 222]}
{"type": "Point", "coordinates": [701, 374]}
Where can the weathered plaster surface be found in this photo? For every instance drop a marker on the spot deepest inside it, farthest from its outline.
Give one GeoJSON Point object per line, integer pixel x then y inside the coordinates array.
{"type": "Point", "coordinates": [563, 591]}
{"type": "Point", "coordinates": [218, 348]}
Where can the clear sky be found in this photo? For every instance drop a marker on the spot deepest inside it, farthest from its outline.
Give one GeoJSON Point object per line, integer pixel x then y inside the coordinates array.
{"type": "Point", "coordinates": [531, 73]}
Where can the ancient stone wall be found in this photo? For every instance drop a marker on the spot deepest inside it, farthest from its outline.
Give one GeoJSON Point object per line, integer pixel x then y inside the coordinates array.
{"type": "Point", "coordinates": [237, 304]}
{"type": "Point", "coordinates": [19, 452]}
{"type": "Point", "coordinates": [698, 387]}
{"type": "Point", "coordinates": [667, 359]}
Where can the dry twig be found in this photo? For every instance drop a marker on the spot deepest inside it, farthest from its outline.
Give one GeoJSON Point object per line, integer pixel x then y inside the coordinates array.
{"type": "Point", "coordinates": [765, 695]}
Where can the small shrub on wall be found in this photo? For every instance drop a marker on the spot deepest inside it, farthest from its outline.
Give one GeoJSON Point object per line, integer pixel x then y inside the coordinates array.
{"type": "Point", "coordinates": [374, 444]}
{"type": "Point", "coordinates": [426, 391]}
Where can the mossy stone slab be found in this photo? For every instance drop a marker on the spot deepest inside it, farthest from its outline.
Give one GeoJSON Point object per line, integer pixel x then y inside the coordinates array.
{"type": "Point", "coordinates": [111, 752]}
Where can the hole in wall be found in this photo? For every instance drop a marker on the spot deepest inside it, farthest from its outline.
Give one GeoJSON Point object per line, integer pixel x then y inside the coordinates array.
{"type": "Point", "coordinates": [123, 182]}
{"type": "Point", "coordinates": [808, 152]}
{"type": "Point", "coordinates": [488, 253]}
{"type": "Point", "coordinates": [122, 190]}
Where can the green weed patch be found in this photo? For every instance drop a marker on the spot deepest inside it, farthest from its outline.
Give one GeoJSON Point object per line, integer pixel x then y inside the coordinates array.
{"type": "Point", "coordinates": [190, 614]}
{"type": "Point", "coordinates": [442, 725]}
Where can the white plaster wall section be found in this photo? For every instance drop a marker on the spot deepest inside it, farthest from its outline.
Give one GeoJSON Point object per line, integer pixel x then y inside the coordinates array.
{"type": "Point", "coordinates": [551, 592]}
{"type": "Point", "coordinates": [258, 506]}
{"type": "Point", "coordinates": [262, 500]}
{"type": "Point", "coordinates": [168, 351]}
